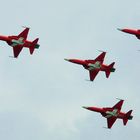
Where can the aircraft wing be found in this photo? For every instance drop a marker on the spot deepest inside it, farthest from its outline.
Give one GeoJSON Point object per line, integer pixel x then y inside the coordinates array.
{"type": "Point", "coordinates": [24, 34]}
{"type": "Point", "coordinates": [16, 50]}
{"type": "Point", "coordinates": [111, 121]}
{"type": "Point", "coordinates": [92, 74]}
{"type": "Point", "coordinates": [118, 105]}
{"type": "Point", "coordinates": [101, 57]}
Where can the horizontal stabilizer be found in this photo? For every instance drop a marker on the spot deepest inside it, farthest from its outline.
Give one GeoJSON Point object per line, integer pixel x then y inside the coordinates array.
{"type": "Point", "coordinates": [129, 113]}
{"type": "Point", "coordinates": [32, 47]}
{"type": "Point", "coordinates": [111, 65]}
{"type": "Point", "coordinates": [109, 69]}
{"type": "Point", "coordinates": [127, 117]}
{"type": "Point", "coordinates": [107, 72]}
{"type": "Point", "coordinates": [125, 120]}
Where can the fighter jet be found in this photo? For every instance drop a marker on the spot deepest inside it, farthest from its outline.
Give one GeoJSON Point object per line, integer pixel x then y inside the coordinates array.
{"type": "Point", "coordinates": [19, 41]}
{"type": "Point", "coordinates": [135, 32]}
{"type": "Point", "coordinates": [94, 66]}
{"type": "Point", "coordinates": [113, 113]}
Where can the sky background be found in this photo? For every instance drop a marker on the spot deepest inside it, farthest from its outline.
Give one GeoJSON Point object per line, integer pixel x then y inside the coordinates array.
{"type": "Point", "coordinates": [41, 96]}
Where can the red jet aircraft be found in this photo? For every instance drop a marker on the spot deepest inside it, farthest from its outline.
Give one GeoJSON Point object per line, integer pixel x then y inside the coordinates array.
{"type": "Point", "coordinates": [131, 31]}
{"type": "Point", "coordinates": [113, 113]}
{"type": "Point", "coordinates": [19, 41]}
{"type": "Point", "coordinates": [94, 66]}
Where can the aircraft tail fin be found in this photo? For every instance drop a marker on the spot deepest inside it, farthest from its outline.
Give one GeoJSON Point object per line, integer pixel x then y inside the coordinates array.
{"type": "Point", "coordinates": [110, 69]}
{"type": "Point", "coordinates": [107, 72]}
{"type": "Point", "coordinates": [125, 120]}
{"type": "Point", "coordinates": [127, 117]}
{"type": "Point", "coordinates": [32, 47]}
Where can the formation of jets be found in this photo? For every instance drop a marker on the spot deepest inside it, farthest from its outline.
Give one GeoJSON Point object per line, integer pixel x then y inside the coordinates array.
{"type": "Point", "coordinates": [93, 66]}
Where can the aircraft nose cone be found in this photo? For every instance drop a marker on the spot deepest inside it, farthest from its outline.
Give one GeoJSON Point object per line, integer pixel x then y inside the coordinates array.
{"type": "Point", "coordinates": [119, 29]}
{"type": "Point", "coordinates": [85, 107]}
{"type": "Point", "coordinates": [66, 59]}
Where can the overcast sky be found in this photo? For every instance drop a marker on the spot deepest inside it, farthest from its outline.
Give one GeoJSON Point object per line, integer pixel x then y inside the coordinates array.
{"type": "Point", "coordinates": [41, 96]}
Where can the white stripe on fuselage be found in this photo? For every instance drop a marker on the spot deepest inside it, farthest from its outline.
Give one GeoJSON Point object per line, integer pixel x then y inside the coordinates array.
{"type": "Point", "coordinates": [17, 42]}
{"type": "Point", "coordinates": [96, 65]}
{"type": "Point", "coordinates": [112, 113]}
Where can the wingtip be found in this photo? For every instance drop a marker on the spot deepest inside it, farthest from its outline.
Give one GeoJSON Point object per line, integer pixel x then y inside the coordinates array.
{"type": "Point", "coordinates": [102, 51]}
{"type": "Point", "coordinates": [107, 128]}
{"type": "Point", "coordinates": [12, 57]}
{"type": "Point", "coordinates": [26, 27]}
{"type": "Point", "coordinates": [120, 99]}
{"type": "Point", "coordinates": [88, 80]}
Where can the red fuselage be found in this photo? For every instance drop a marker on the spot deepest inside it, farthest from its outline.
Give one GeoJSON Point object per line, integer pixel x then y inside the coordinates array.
{"type": "Point", "coordinates": [107, 112]}
{"type": "Point", "coordinates": [132, 31]}
{"type": "Point", "coordinates": [90, 64]}
{"type": "Point", "coordinates": [10, 39]}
